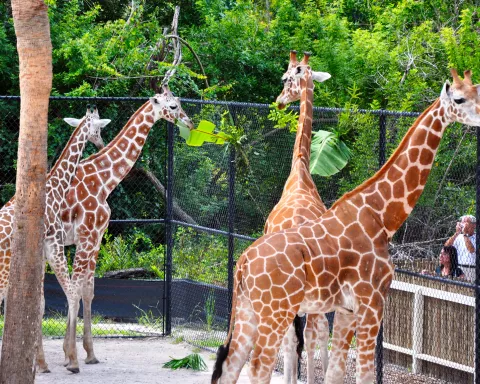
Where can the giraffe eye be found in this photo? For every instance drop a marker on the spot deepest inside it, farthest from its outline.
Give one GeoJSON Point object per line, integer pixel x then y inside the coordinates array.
{"type": "Point", "coordinates": [173, 107]}
{"type": "Point", "coordinates": [459, 101]}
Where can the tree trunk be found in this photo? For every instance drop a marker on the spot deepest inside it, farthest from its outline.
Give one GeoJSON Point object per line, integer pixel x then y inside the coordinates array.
{"type": "Point", "coordinates": [22, 320]}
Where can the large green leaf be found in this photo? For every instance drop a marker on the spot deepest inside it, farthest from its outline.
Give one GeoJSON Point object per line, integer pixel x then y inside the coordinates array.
{"type": "Point", "coordinates": [205, 133]}
{"type": "Point", "coordinates": [329, 154]}
{"type": "Point", "coordinates": [184, 130]}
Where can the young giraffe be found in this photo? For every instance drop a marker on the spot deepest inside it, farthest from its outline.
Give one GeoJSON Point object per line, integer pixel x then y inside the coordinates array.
{"type": "Point", "coordinates": [339, 262]}
{"type": "Point", "coordinates": [58, 181]}
{"type": "Point", "coordinates": [300, 204]}
{"type": "Point", "coordinates": [87, 213]}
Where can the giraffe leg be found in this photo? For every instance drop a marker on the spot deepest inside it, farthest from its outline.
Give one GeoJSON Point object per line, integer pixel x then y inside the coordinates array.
{"type": "Point", "coordinates": [55, 253]}
{"type": "Point", "coordinates": [241, 344]}
{"type": "Point", "coordinates": [290, 359]}
{"type": "Point", "coordinates": [40, 357]}
{"type": "Point", "coordinates": [316, 332]}
{"type": "Point", "coordinates": [343, 330]}
{"type": "Point", "coordinates": [368, 320]}
{"type": "Point", "coordinates": [87, 297]}
{"type": "Point", "coordinates": [271, 331]}
{"type": "Point", "coordinates": [65, 341]}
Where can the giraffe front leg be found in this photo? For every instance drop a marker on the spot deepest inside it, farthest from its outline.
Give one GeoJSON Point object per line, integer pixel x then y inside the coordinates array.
{"type": "Point", "coordinates": [343, 330]}
{"type": "Point", "coordinates": [271, 330]}
{"type": "Point", "coordinates": [368, 320]}
{"type": "Point", "coordinates": [87, 297]}
{"type": "Point", "coordinates": [40, 358]}
{"type": "Point", "coordinates": [290, 359]}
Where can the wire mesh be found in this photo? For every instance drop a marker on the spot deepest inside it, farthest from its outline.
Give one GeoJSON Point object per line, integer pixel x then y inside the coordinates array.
{"type": "Point", "coordinates": [428, 322]}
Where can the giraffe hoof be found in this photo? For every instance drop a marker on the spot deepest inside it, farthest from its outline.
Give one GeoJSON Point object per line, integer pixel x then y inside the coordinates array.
{"type": "Point", "coordinates": [91, 361]}
{"type": "Point", "coordinates": [43, 370]}
{"type": "Point", "coordinates": [74, 370]}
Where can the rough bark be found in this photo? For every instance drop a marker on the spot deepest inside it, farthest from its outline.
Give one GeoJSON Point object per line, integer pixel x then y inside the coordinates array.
{"type": "Point", "coordinates": [22, 320]}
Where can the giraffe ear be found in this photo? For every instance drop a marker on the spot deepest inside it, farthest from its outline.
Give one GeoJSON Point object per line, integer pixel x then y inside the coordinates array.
{"type": "Point", "coordinates": [445, 95]}
{"type": "Point", "coordinates": [153, 100]}
{"type": "Point", "coordinates": [71, 121]}
{"type": "Point", "coordinates": [320, 76]}
{"type": "Point", "coordinates": [102, 123]}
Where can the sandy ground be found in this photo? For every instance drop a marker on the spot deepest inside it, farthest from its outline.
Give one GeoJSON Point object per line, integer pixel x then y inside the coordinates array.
{"type": "Point", "coordinates": [129, 361]}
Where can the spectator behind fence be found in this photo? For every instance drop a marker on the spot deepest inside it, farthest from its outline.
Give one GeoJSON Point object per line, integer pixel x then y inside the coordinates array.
{"type": "Point", "coordinates": [448, 263]}
{"type": "Point", "coordinates": [465, 243]}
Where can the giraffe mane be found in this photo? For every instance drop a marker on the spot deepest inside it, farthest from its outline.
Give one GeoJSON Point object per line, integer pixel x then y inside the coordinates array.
{"type": "Point", "coordinates": [390, 161]}
{"type": "Point", "coordinates": [119, 135]}
{"type": "Point", "coordinates": [72, 137]}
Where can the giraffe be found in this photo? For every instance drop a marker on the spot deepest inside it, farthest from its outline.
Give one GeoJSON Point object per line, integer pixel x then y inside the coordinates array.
{"type": "Point", "coordinates": [58, 181]}
{"type": "Point", "coordinates": [87, 212]}
{"type": "Point", "coordinates": [300, 204]}
{"type": "Point", "coordinates": [340, 261]}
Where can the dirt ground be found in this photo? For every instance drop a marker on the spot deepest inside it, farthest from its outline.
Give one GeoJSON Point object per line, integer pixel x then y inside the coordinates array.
{"type": "Point", "coordinates": [139, 361]}
{"type": "Point", "coordinates": [129, 361]}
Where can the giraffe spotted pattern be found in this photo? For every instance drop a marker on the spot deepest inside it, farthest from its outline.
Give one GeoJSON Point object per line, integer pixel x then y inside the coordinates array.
{"type": "Point", "coordinates": [340, 262]}
{"type": "Point", "coordinates": [58, 181]}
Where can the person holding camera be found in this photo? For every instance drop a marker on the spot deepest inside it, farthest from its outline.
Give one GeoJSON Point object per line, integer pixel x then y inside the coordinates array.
{"type": "Point", "coordinates": [465, 243]}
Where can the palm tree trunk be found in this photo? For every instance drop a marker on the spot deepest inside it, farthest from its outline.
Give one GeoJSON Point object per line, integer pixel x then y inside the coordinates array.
{"type": "Point", "coordinates": [22, 320]}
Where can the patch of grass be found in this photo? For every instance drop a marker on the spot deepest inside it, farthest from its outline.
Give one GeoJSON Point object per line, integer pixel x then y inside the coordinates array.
{"type": "Point", "coordinates": [193, 361]}
{"type": "Point", "coordinates": [149, 318]}
{"type": "Point", "coordinates": [178, 340]}
{"type": "Point", "coordinates": [57, 326]}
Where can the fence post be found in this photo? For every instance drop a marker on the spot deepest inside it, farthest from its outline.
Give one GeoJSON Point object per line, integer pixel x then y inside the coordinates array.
{"type": "Point", "coordinates": [477, 270]}
{"type": "Point", "coordinates": [169, 232]}
{"type": "Point", "coordinates": [231, 226]}
{"type": "Point", "coordinates": [382, 144]}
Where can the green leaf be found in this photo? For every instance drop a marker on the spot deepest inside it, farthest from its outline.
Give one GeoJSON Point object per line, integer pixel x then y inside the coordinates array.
{"type": "Point", "coordinates": [329, 154]}
{"type": "Point", "coordinates": [193, 361]}
{"type": "Point", "coordinates": [205, 133]}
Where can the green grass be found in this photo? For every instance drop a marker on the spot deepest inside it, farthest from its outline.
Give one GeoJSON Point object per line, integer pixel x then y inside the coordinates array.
{"type": "Point", "coordinates": [57, 326]}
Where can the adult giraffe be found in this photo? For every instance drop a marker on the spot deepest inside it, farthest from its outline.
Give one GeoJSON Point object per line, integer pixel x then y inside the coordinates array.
{"type": "Point", "coordinates": [87, 212]}
{"type": "Point", "coordinates": [58, 180]}
{"type": "Point", "coordinates": [339, 262]}
{"type": "Point", "coordinates": [300, 204]}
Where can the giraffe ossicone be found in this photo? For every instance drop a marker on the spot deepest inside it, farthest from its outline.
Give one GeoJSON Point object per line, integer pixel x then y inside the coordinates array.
{"type": "Point", "coordinates": [340, 262]}
{"type": "Point", "coordinates": [58, 181]}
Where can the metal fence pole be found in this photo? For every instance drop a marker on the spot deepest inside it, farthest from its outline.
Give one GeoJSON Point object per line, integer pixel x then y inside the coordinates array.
{"type": "Point", "coordinates": [477, 271]}
{"type": "Point", "coordinates": [382, 144]}
{"type": "Point", "coordinates": [231, 226]}
{"type": "Point", "coordinates": [169, 231]}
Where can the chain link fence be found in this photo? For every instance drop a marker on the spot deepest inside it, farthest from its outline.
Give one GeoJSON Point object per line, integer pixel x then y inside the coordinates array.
{"type": "Point", "coordinates": [183, 215]}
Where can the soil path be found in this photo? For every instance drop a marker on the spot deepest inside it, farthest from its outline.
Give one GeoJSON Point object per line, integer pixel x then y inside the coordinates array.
{"type": "Point", "coordinates": [129, 361]}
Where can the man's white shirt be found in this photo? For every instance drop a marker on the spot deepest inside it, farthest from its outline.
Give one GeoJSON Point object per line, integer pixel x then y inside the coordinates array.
{"type": "Point", "coordinates": [464, 256]}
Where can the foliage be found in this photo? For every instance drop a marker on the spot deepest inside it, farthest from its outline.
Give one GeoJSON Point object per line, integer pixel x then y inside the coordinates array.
{"type": "Point", "coordinates": [210, 309]}
{"type": "Point", "coordinates": [193, 361]}
{"type": "Point", "coordinates": [136, 250]}
{"type": "Point", "coordinates": [329, 154]}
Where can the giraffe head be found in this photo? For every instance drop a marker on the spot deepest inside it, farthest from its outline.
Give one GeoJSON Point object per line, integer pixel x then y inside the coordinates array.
{"type": "Point", "coordinates": [291, 79]}
{"type": "Point", "coordinates": [167, 106]}
{"type": "Point", "coordinates": [461, 99]}
{"type": "Point", "coordinates": [93, 122]}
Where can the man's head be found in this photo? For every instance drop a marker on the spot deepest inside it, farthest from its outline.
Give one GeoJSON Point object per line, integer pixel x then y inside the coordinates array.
{"type": "Point", "coordinates": [469, 224]}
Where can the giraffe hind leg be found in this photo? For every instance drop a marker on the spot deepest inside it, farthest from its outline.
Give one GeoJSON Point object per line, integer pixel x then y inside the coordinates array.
{"type": "Point", "coordinates": [232, 357]}
{"type": "Point", "coordinates": [271, 331]}
{"type": "Point", "coordinates": [290, 354]}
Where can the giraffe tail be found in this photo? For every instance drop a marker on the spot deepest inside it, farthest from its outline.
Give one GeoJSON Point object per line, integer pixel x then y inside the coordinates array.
{"type": "Point", "coordinates": [222, 352]}
{"type": "Point", "coordinates": [297, 322]}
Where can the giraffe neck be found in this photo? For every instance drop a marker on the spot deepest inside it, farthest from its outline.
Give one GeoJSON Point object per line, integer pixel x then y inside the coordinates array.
{"type": "Point", "coordinates": [395, 189]}
{"type": "Point", "coordinates": [303, 140]}
{"type": "Point", "coordinates": [63, 171]}
{"type": "Point", "coordinates": [116, 160]}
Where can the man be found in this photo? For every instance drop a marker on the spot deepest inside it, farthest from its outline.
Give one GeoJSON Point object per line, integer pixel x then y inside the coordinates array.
{"type": "Point", "coordinates": [464, 241]}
